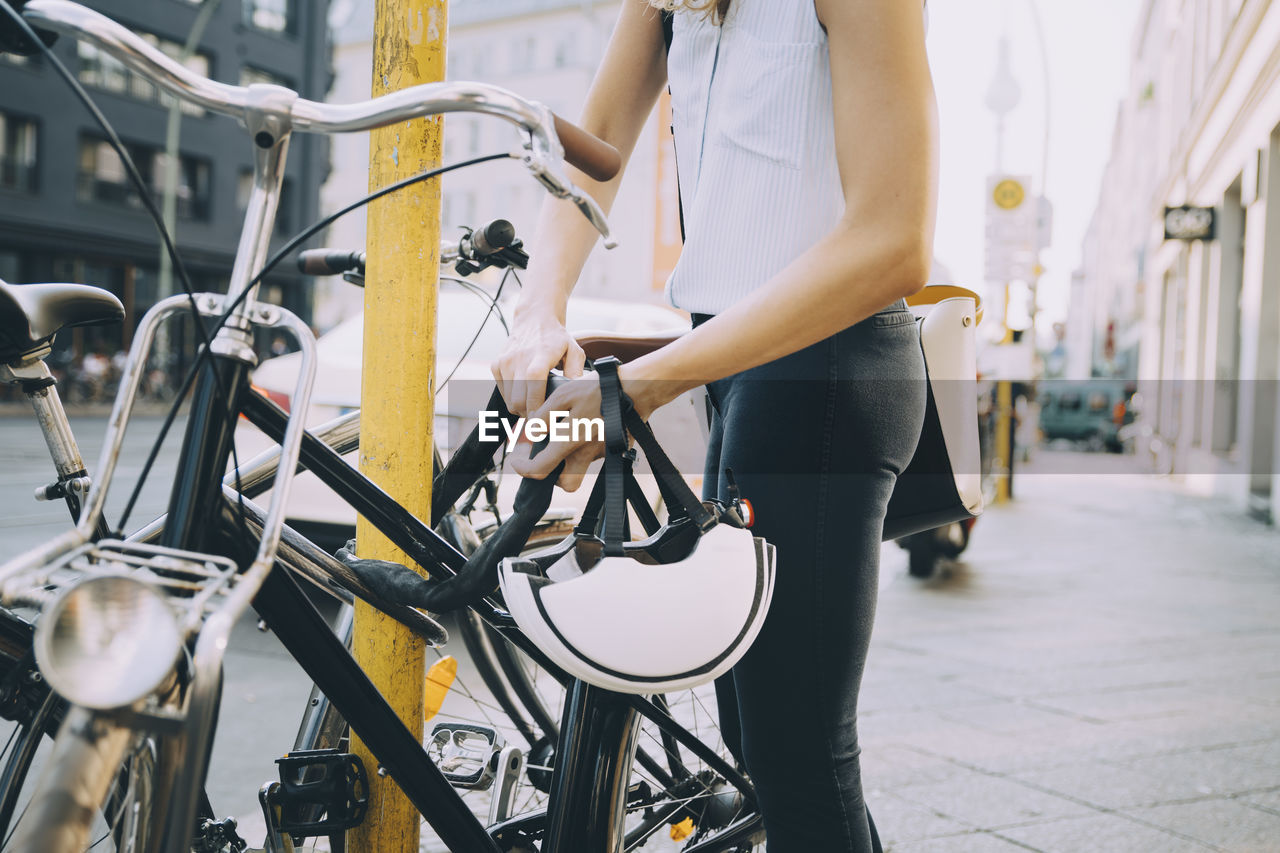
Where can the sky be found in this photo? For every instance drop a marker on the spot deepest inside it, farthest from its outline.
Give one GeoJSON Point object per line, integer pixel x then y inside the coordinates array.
{"type": "Point", "coordinates": [1088, 47]}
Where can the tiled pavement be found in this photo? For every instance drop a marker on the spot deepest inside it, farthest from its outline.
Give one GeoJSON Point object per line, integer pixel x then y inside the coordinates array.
{"type": "Point", "coordinates": [1101, 673]}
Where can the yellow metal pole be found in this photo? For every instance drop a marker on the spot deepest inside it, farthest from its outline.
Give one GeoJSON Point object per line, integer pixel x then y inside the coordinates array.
{"type": "Point", "coordinates": [1004, 414]}
{"type": "Point", "coordinates": [1004, 446]}
{"type": "Point", "coordinates": [398, 378]}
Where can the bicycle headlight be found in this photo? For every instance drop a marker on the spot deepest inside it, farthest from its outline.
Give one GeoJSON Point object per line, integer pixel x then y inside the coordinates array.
{"type": "Point", "coordinates": [107, 642]}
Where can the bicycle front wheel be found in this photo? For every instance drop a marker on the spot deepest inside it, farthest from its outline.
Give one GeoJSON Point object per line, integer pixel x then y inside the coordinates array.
{"type": "Point", "coordinates": [88, 763]}
{"type": "Point", "coordinates": [67, 781]}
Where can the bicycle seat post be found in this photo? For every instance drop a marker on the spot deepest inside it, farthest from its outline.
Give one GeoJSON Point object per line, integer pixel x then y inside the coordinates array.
{"type": "Point", "coordinates": [29, 372]}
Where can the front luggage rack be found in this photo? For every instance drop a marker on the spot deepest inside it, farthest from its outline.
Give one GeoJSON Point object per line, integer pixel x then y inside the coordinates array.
{"type": "Point", "coordinates": [194, 585]}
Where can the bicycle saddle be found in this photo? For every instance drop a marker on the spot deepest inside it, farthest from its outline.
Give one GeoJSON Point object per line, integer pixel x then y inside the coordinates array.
{"type": "Point", "coordinates": [31, 314]}
{"type": "Point", "coordinates": [624, 346]}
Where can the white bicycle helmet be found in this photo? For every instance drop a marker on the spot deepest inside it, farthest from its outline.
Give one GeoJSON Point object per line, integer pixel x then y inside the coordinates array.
{"type": "Point", "coordinates": [671, 611]}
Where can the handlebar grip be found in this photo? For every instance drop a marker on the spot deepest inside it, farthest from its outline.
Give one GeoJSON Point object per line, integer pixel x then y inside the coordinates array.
{"type": "Point", "coordinates": [329, 261]}
{"type": "Point", "coordinates": [597, 158]}
{"type": "Point", "coordinates": [493, 237]}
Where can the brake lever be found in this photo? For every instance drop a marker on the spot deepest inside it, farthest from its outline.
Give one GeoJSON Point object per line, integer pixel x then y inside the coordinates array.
{"type": "Point", "coordinates": [587, 205]}
{"type": "Point", "coordinates": [561, 187]}
{"type": "Point", "coordinates": [514, 256]}
{"type": "Point", "coordinates": [543, 155]}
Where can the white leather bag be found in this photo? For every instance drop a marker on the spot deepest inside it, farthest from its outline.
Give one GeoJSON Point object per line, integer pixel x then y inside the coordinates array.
{"type": "Point", "coordinates": [943, 482]}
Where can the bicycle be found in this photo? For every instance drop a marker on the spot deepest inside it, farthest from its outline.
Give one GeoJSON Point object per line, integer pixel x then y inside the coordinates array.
{"type": "Point", "coordinates": [520, 699]}
{"type": "Point", "coordinates": [598, 729]}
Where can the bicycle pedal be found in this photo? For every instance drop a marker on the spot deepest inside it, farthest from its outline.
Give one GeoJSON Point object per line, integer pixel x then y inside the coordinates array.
{"type": "Point", "coordinates": [321, 792]}
{"type": "Point", "coordinates": [467, 755]}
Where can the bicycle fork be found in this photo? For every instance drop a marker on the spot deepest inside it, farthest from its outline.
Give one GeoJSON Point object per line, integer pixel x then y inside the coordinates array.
{"type": "Point", "coordinates": [589, 784]}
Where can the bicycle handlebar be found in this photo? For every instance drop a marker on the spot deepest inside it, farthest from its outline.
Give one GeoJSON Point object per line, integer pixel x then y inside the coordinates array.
{"type": "Point", "coordinates": [329, 261]}
{"type": "Point", "coordinates": [551, 138]}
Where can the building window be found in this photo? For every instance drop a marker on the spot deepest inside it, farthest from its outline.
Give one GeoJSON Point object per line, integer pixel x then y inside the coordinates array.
{"type": "Point", "coordinates": [565, 52]}
{"type": "Point", "coordinates": [18, 137]}
{"type": "Point", "coordinates": [250, 75]}
{"type": "Point", "coordinates": [105, 72]}
{"type": "Point", "coordinates": [523, 54]}
{"type": "Point", "coordinates": [464, 64]}
{"type": "Point", "coordinates": [270, 15]}
{"type": "Point", "coordinates": [191, 187]}
{"type": "Point", "coordinates": [102, 178]}
{"type": "Point", "coordinates": [98, 69]}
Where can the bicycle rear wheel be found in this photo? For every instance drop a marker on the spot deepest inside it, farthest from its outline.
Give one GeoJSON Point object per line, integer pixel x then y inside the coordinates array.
{"type": "Point", "coordinates": [675, 800]}
{"type": "Point", "coordinates": [495, 688]}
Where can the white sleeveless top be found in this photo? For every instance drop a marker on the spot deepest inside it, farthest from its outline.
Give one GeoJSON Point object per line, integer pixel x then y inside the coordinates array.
{"type": "Point", "coordinates": [755, 147]}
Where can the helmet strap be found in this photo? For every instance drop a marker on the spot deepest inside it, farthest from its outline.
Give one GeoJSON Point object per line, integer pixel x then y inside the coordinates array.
{"type": "Point", "coordinates": [615, 462]}
{"type": "Point", "coordinates": [620, 417]}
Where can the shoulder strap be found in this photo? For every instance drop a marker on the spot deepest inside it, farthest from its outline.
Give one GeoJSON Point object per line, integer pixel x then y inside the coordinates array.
{"type": "Point", "coordinates": [668, 34]}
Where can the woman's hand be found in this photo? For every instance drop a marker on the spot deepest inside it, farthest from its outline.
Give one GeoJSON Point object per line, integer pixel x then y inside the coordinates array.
{"type": "Point", "coordinates": [538, 342]}
{"type": "Point", "coordinates": [581, 399]}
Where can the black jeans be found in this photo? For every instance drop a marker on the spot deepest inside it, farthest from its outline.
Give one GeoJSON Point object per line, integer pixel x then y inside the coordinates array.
{"type": "Point", "coordinates": [815, 441]}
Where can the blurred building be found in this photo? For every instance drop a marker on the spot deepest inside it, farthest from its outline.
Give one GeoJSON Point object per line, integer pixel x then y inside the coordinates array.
{"type": "Point", "coordinates": [1105, 320]}
{"type": "Point", "coordinates": [67, 209]}
{"type": "Point", "coordinates": [1201, 127]}
{"type": "Point", "coordinates": [545, 50]}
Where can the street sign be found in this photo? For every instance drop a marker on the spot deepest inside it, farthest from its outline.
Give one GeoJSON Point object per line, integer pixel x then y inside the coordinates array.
{"type": "Point", "coordinates": [1009, 194]}
{"type": "Point", "coordinates": [1012, 229]}
{"type": "Point", "coordinates": [1189, 223]}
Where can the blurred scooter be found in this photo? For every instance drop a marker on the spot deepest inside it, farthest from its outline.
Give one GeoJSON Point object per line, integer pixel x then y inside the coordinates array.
{"type": "Point", "coordinates": [926, 549]}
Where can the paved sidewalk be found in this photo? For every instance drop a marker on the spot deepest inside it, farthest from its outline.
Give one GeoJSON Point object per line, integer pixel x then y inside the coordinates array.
{"type": "Point", "coordinates": [1101, 673]}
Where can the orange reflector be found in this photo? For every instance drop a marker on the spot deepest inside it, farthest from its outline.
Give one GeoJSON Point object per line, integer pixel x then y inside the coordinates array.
{"type": "Point", "coordinates": [748, 512]}
{"type": "Point", "coordinates": [439, 679]}
{"type": "Point", "coordinates": [280, 398]}
{"type": "Point", "coordinates": [682, 830]}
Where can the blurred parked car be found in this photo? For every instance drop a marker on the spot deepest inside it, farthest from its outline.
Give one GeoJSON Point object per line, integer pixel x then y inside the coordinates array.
{"type": "Point", "coordinates": [463, 359]}
{"type": "Point", "coordinates": [1091, 411]}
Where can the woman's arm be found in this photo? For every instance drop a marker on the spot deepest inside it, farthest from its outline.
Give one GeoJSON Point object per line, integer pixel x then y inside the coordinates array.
{"type": "Point", "coordinates": [885, 120]}
{"type": "Point", "coordinates": [619, 102]}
